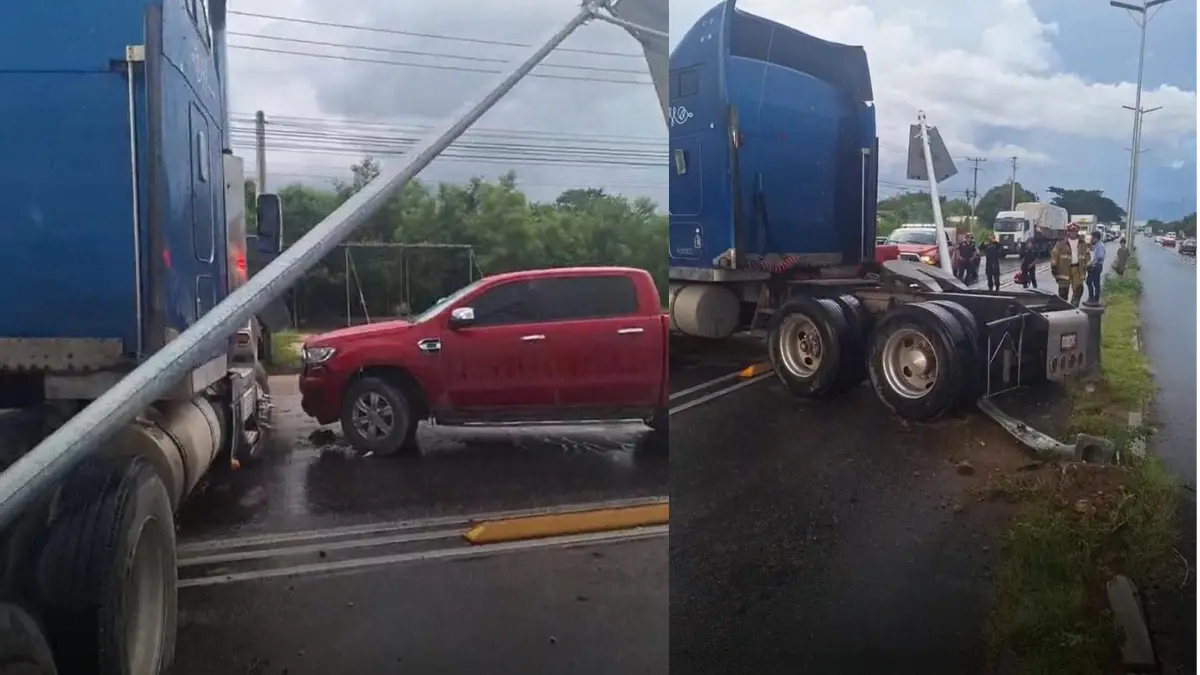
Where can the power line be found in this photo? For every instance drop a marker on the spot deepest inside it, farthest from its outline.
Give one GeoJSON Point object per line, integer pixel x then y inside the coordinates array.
{"type": "Point", "coordinates": [449, 155]}
{"type": "Point", "coordinates": [414, 52]}
{"type": "Point", "coordinates": [461, 69]}
{"type": "Point", "coordinates": [326, 123]}
{"type": "Point", "coordinates": [432, 36]}
{"type": "Point", "coordinates": [639, 152]}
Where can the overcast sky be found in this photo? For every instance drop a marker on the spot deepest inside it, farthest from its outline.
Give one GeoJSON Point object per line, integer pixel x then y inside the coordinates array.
{"type": "Point", "coordinates": [1041, 79]}
{"type": "Point", "coordinates": [580, 131]}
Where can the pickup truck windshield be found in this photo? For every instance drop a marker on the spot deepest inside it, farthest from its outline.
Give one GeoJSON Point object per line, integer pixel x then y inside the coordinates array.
{"type": "Point", "coordinates": [920, 237]}
{"type": "Point", "coordinates": [1009, 225]}
{"type": "Point", "coordinates": [446, 302]}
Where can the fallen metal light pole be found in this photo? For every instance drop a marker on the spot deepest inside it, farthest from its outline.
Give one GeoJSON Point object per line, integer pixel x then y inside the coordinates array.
{"type": "Point", "coordinates": [149, 382]}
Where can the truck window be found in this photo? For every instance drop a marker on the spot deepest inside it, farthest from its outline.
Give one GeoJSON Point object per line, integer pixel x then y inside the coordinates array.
{"type": "Point", "coordinates": [685, 83]}
{"type": "Point", "coordinates": [594, 297]}
{"type": "Point", "coordinates": [505, 305]}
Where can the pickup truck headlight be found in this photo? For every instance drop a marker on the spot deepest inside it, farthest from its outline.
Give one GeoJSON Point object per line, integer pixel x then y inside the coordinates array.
{"type": "Point", "coordinates": [928, 260]}
{"type": "Point", "coordinates": [315, 355]}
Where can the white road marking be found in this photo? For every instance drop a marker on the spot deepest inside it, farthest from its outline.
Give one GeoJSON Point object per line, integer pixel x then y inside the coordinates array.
{"type": "Point", "coordinates": [463, 552]}
{"type": "Point", "coordinates": [719, 393]}
{"type": "Point", "coordinates": [704, 385]}
{"type": "Point", "coordinates": [194, 549]}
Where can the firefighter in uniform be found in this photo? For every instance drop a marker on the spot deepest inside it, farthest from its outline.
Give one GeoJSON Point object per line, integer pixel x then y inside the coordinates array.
{"type": "Point", "coordinates": [1068, 262]}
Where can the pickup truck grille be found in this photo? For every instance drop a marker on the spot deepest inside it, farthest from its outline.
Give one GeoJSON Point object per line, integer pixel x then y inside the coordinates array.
{"type": "Point", "coordinates": [911, 257]}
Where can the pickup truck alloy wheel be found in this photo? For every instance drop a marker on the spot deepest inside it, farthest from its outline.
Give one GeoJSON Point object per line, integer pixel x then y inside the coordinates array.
{"type": "Point", "coordinates": [811, 346]}
{"type": "Point", "coordinates": [107, 576]}
{"type": "Point", "coordinates": [377, 417]}
{"type": "Point", "coordinates": [916, 361]}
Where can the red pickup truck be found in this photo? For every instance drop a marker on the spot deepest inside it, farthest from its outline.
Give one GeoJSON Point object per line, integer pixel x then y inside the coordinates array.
{"type": "Point", "coordinates": [555, 345]}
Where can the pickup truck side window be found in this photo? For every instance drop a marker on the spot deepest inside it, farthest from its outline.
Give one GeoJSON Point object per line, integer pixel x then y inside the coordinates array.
{"type": "Point", "coordinates": [505, 305]}
{"type": "Point", "coordinates": [581, 298]}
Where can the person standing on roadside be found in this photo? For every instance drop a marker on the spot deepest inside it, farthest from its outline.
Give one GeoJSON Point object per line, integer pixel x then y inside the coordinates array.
{"type": "Point", "coordinates": [1095, 269]}
{"type": "Point", "coordinates": [991, 255]}
{"type": "Point", "coordinates": [1029, 260]}
{"type": "Point", "coordinates": [1122, 258]}
{"type": "Point", "coordinates": [1068, 260]}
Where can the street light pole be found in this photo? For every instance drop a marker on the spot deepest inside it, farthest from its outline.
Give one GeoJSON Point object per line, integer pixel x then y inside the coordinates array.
{"type": "Point", "coordinates": [1141, 15]}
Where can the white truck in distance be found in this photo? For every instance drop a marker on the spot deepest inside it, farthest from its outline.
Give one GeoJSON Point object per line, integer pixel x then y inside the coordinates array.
{"type": "Point", "coordinates": [1040, 224]}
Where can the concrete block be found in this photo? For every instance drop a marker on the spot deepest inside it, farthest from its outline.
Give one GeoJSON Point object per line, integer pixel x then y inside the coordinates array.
{"type": "Point", "coordinates": [1137, 651]}
{"type": "Point", "coordinates": [1094, 449]}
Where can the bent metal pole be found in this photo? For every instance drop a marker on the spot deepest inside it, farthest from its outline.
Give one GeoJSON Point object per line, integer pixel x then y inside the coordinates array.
{"type": "Point", "coordinates": [84, 432]}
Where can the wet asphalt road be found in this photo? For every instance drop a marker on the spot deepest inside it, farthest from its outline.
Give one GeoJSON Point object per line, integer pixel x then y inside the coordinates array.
{"type": "Point", "coordinates": [323, 558]}
{"type": "Point", "coordinates": [1169, 335]}
{"type": "Point", "coordinates": [826, 536]}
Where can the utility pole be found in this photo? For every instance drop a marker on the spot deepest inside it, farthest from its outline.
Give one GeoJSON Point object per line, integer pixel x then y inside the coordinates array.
{"type": "Point", "coordinates": [973, 195]}
{"type": "Point", "coordinates": [260, 152]}
{"type": "Point", "coordinates": [943, 247]}
{"type": "Point", "coordinates": [1012, 199]}
{"type": "Point", "coordinates": [1135, 155]}
{"type": "Point", "coordinates": [1141, 16]}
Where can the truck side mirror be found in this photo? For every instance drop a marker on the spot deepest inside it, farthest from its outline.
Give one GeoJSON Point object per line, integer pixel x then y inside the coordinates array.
{"type": "Point", "coordinates": [270, 224]}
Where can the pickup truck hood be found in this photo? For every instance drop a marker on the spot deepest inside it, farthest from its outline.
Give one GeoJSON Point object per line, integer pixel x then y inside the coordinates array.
{"type": "Point", "coordinates": [918, 249]}
{"type": "Point", "coordinates": [363, 331]}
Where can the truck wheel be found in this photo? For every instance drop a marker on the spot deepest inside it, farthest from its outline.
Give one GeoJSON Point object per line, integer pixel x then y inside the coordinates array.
{"type": "Point", "coordinates": [916, 363]}
{"type": "Point", "coordinates": [859, 321]}
{"type": "Point", "coordinates": [377, 418]}
{"type": "Point", "coordinates": [972, 354]}
{"type": "Point", "coordinates": [811, 347]}
{"type": "Point", "coordinates": [106, 577]}
{"type": "Point", "coordinates": [23, 648]}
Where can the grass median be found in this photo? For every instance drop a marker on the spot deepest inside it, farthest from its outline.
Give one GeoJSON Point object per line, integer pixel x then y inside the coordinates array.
{"type": "Point", "coordinates": [1078, 525]}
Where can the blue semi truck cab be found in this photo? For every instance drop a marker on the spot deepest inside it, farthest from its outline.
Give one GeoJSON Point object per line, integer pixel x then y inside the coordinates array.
{"type": "Point", "coordinates": [773, 172]}
{"type": "Point", "coordinates": [123, 222]}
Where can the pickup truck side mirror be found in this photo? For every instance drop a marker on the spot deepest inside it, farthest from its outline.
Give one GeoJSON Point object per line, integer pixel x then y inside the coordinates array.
{"type": "Point", "coordinates": [461, 317]}
{"type": "Point", "coordinates": [270, 224]}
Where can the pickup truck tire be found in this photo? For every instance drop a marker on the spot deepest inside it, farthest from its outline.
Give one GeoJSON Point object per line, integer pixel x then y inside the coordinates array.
{"type": "Point", "coordinates": [23, 648]}
{"type": "Point", "coordinates": [812, 347]}
{"type": "Point", "coordinates": [106, 577]}
{"type": "Point", "coordinates": [394, 429]}
{"type": "Point", "coordinates": [910, 342]}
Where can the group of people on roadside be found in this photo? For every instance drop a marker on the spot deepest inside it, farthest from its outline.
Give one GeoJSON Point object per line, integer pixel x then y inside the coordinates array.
{"type": "Point", "coordinates": [1073, 263]}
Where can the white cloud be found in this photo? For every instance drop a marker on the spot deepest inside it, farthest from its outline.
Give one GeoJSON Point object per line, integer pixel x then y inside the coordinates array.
{"type": "Point", "coordinates": [290, 85]}
{"type": "Point", "coordinates": [978, 68]}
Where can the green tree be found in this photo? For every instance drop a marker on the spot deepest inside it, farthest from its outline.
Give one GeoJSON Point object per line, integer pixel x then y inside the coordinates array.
{"type": "Point", "coordinates": [506, 230]}
{"type": "Point", "coordinates": [1087, 202]}
{"type": "Point", "coordinates": [998, 199]}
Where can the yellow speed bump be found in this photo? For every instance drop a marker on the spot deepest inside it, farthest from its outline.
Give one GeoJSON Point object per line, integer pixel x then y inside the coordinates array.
{"type": "Point", "coordinates": [562, 524]}
{"type": "Point", "coordinates": [755, 370]}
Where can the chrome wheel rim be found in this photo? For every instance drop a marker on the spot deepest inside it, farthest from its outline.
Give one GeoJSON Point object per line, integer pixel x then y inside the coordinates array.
{"type": "Point", "coordinates": [910, 364]}
{"type": "Point", "coordinates": [373, 416]}
{"type": "Point", "coordinates": [145, 598]}
{"type": "Point", "coordinates": [800, 346]}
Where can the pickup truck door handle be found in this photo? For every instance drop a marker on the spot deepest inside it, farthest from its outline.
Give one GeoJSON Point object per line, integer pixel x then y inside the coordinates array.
{"type": "Point", "coordinates": [533, 338]}
{"type": "Point", "coordinates": [430, 345]}
{"type": "Point", "coordinates": [631, 331]}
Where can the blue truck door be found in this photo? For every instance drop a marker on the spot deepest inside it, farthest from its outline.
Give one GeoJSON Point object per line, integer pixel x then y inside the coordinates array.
{"type": "Point", "coordinates": [203, 182]}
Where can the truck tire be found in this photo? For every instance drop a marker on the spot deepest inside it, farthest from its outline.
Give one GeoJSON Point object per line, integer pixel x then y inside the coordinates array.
{"type": "Point", "coordinates": [916, 362]}
{"type": "Point", "coordinates": [392, 429]}
{"type": "Point", "coordinates": [106, 577]}
{"type": "Point", "coordinates": [23, 648]}
{"type": "Point", "coordinates": [859, 321]}
{"type": "Point", "coordinates": [974, 362]}
{"type": "Point", "coordinates": [812, 348]}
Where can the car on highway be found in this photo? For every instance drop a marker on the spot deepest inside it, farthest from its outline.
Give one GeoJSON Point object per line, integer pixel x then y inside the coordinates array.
{"type": "Point", "coordinates": [1168, 240]}
{"type": "Point", "coordinates": [537, 346]}
{"type": "Point", "coordinates": [1187, 247]}
{"type": "Point", "coordinates": [918, 242]}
